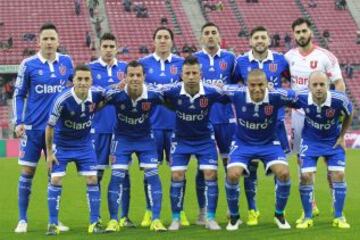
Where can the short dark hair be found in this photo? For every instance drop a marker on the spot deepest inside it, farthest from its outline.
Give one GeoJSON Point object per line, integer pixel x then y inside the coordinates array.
{"type": "Point", "coordinates": [257, 29]}
{"type": "Point", "coordinates": [209, 24]}
{"type": "Point", "coordinates": [166, 29]}
{"type": "Point", "coordinates": [301, 21]}
{"type": "Point", "coordinates": [107, 36]}
{"type": "Point", "coordinates": [82, 67]}
{"type": "Point", "coordinates": [191, 60]}
{"type": "Point", "coordinates": [48, 26]}
{"type": "Point", "coordinates": [134, 64]}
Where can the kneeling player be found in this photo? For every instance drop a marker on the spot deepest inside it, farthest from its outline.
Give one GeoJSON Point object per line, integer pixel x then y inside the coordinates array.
{"type": "Point", "coordinates": [132, 134]}
{"type": "Point", "coordinates": [68, 139]}
{"type": "Point", "coordinates": [322, 136]}
{"type": "Point", "coordinates": [255, 138]}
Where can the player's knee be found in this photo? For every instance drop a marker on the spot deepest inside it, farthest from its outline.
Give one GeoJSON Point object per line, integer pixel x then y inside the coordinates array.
{"type": "Point", "coordinates": [210, 174]}
{"type": "Point", "coordinates": [233, 174]}
{"type": "Point", "coordinates": [283, 174]}
{"type": "Point", "coordinates": [337, 176]}
{"type": "Point", "coordinates": [306, 178]}
{"type": "Point", "coordinates": [27, 170]}
{"type": "Point", "coordinates": [178, 176]}
{"type": "Point", "coordinates": [91, 180]}
{"type": "Point", "coordinates": [56, 181]}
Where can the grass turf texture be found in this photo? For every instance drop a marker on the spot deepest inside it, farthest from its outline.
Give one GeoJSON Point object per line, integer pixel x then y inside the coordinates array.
{"type": "Point", "coordinates": [74, 210]}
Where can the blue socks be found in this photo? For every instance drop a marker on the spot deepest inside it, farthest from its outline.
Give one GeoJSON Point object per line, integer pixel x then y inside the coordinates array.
{"type": "Point", "coordinates": [125, 199]}
{"type": "Point", "coordinates": [232, 197]}
{"type": "Point", "coordinates": [154, 191]}
{"type": "Point", "coordinates": [211, 192]}
{"type": "Point", "coordinates": [200, 188]}
{"type": "Point", "coordinates": [115, 191]}
{"type": "Point", "coordinates": [339, 194]}
{"type": "Point", "coordinates": [176, 197]}
{"type": "Point", "coordinates": [282, 193]}
{"type": "Point", "coordinates": [24, 191]}
{"type": "Point", "coordinates": [250, 184]}
{"type": "Point", "coordinates": [54, 195]}
{"type": "Point", "coordinates": [93, 196]}
{"type": "Point", "coordinates": [306, 193]}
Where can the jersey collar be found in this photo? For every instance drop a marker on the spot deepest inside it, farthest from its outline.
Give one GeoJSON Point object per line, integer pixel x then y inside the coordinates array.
{"type": "Point", "coordinates": [265, 100]}
{"type": "Point", "coordinates": [78, 100]}
{"type": "Point", "coordinates": [44, 60]}
{"type": "Point", "coordinates": [269, 57]}
{"type": "Point", "coordinates": [144, 94]}
{"type": "Point", "coordinates": [326, 103]}
{"type": "Point", "coordinates": [104, 64]}
{"type": "Point", "coordinates": [158, 59]}
{"type": "Point", "coordinates": [200, 93]}
{"type": "Point", "coordinates": [218, 53]}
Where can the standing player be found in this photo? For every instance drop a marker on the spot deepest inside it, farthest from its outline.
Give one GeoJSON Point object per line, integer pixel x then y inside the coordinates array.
{"type": "Point", "coordinates": [216, 67]}
{"type": "Point", "coordinates": [40, 78]}
{"type": "Point", "coordinates": [132, 134]}
{"type": "Point", "coordinates": [68, 139]}
{"type": "Point", "coordinates": [276, 69]}
{"type": "Point", "coordinates": [192, 102]}
{"type": "Point", "coordinates": [323, 136]}
{"type": "Point", "coordinates": [302, 61]}
{"type": "Point", "coordinates": [162, 67]}
{"type": "Point", "coordinates": [106, 71]}
{"type": "Point", "coordinates": [255, 138]}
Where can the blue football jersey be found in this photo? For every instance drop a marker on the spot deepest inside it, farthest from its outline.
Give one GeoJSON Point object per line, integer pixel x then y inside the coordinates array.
{"type": "Point", "coordinates": [322, 122]}
{"type": "Point", "coordinates": [218, 69]}
{"type": "Point", "coordinates": [72, 118]}
{"type": "Point", "coordinates": [133, 117]}
{"type": "Point", "coordinates": [39, 81]}
{"type": "Point", "coordinates": [256, 122]}
{"type": "Point", "coordinates": [159, 72]}
{"type": "Point", "coordinates": [104, 76]}
{"type": "Point", "coordinates": [275, 67]}
{"type": "Point", "coordinates": [192, 113]}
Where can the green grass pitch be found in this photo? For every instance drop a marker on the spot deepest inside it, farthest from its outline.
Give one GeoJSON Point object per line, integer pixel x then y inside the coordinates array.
{"type": "Point", "coordinates": [74, 210]}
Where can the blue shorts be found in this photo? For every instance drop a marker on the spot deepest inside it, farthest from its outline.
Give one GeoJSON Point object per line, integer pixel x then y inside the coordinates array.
{"type": "Point", "coordinates": [163, 143]}
{"type": "Point", "coordinates": [204, 150]}
{"type": "Point", "coordinates": [85, 160]}
{"type": "Point", "coordinates": [282, 136]}
{"type": "Point", "coordinates": [102, 143]}
{"type": "Point", "coordinates": [31, 145]}
{"type": "Point", "coordinates": [242, 154]}
{"type": "Point", "coordinates": [144, 148]}
{"type": "Point", "coordinates": [224, 136]}
{"type": "Point", "coordinates": [310, 152]}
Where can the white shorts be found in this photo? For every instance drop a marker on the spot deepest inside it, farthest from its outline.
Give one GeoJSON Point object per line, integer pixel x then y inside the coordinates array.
{"type": "Point", "coordinates": [297, 125]}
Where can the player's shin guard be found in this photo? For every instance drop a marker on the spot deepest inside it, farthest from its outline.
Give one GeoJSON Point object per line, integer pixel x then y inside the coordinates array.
{"type": "Point", "coordinates": [176, 197]}
{"type": "Point", "coordinates": [282, 194]}
{"type": "Point", "coordinates": [250, 184]}
{"type": "Point", "coordinates": [211, 193]}
{"type": "Point", "coordinates": [115, 192]}
{"type": "Point", "coordinates": [54, 195]}
{"type": "Point", "coordinates": [306, 193]}
{"type": "Point", "coordinates": [232, 197]}
{"type": "Point", "coordinates": [24, 191]}
{"type": "Point", "coordinates": [339, 194]}
{"type": "Point", "coordinates": [148, 206]}
{"type": "Point", "coordinates": [200, 188]}
{"type": "Point", "coordinates": [154, 191]}
{"type": "Point", "coordinates": [93, 197]}
{"type": "Point", "coordinates": [125, 197]}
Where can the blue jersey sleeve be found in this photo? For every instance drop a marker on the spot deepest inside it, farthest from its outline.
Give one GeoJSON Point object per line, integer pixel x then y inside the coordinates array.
{"type": "Point", "coordinates": [56, 111]}
{"type": "Point", "coordinates": [237, 77]}
{"type": "Point", "coordinates": [21, 90]}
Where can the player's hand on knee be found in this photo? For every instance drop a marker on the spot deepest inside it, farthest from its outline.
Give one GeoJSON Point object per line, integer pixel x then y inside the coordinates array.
{"type": "Point", "coordinates": [20, 130]}
{"type": "Point", "coordinates": [340, 142]}
{"type": "Point", "coordinates": [51, 160]}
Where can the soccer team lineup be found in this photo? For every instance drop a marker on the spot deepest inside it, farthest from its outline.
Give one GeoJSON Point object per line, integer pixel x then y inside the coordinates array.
{"type": "Point", "coordinates": [226, 111]}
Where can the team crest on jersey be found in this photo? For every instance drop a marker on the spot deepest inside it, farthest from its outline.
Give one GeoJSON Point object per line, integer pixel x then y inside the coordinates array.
{"type": "Point", "coordinates": [173, 70]}
{"type": "Point", "coordinates": [204, 102]}
{"type": "Point", "coordinates": [273, 67]}
{"type": "Point", "coordinates": [223, 65]}
{"type": "Point", "coordinates": [145, 106]}
{"type": "Point", "coordinates": [330, 113]}
{"type": "Point", "coordinates": [268, 110]}
{"type": "Point", "coordinates": [120, 75]}
{"type": "Point", "coordinates": [92, 107]}
{"type": "Point", "coordinates": [62, 70]}
{"type": "Point", "coordinates": [313, 64]}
